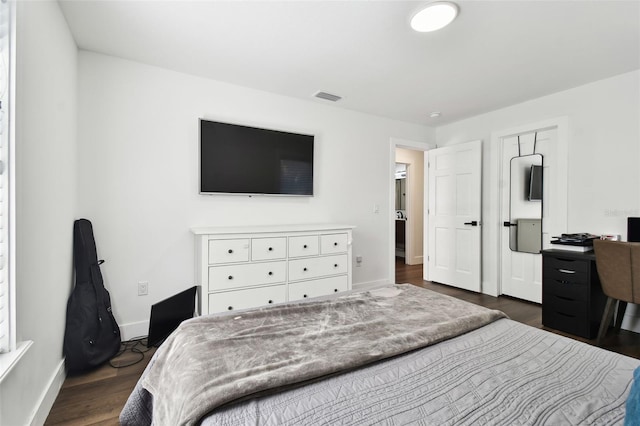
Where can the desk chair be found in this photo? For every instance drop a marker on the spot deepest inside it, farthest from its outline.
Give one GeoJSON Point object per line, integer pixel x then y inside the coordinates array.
{"type": "Point", "coordinates": [618, 265]}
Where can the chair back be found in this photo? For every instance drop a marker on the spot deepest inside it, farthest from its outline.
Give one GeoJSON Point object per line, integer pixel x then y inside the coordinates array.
{"type": "Point", "coordinates": [618, 266]}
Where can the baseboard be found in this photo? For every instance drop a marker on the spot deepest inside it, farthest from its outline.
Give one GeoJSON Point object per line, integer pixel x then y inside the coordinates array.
{"type": "Point", "coordinates": [134, 330]}
{"type": "Point", "coordinates": [370, 284]}
{"type": "Point", "coordinates": [49, 396]}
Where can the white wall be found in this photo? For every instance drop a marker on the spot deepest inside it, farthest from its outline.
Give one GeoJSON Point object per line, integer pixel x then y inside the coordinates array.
{"type": "Point", "coordinates": [46, 198]}
{"type": "Point", "coordinates": [138, 151]}
{"type": "Point", "coordinates": [603, 155]}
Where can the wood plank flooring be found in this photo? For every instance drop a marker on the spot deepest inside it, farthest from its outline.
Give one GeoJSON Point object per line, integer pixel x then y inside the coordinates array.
{"type": "Point", "coordinates": [97, 397]}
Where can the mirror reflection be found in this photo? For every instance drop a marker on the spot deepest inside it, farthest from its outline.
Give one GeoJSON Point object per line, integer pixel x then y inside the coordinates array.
{"type": "Point", "coordinates": [401, 187]}
{"type": "Point", "coordinates": [525, 203]}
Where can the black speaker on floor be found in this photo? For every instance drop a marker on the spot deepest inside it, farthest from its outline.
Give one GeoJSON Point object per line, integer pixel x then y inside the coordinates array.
{"type": "Point", "coordinates": [633, 229]}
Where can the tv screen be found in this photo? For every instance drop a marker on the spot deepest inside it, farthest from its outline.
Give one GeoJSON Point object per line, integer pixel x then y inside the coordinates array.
{"type": "Point", "coordinates": [168, 314]}
{"type": "Point", "coordinates": [237, 159]}
{"type": "Point", "coordinates": [535, 183]}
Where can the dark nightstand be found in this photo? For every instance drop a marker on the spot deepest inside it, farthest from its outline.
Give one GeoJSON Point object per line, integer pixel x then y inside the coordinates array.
{"type": "Point", "coordinates": [572, 299]}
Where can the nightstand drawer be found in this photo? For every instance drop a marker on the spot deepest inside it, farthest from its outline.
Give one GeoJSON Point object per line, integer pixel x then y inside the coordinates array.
{"type": "Point", "coordinates": [567, 322]}
{"type": "Point", "coordinates": [565, 289]}
{"type": "Point", "coordinates": [565, 275]}
{"type": "Point", "coordinates": [565, 305]}
{"type": "Point", "coordinates": [566, 264]}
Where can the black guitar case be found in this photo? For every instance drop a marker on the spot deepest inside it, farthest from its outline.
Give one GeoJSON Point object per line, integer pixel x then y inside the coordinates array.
{"type": "Point", "coordinates": [92, 335]}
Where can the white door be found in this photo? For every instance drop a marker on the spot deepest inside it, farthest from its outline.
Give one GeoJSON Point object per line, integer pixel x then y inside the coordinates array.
{"type": "Point", "coordinates": [454, 251]}
{"type": "Point", "coordinates": [521, 272]}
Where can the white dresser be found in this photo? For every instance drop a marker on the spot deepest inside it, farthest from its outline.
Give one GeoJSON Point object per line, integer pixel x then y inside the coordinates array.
{"type": "Point", "coordinates": [246, 267]}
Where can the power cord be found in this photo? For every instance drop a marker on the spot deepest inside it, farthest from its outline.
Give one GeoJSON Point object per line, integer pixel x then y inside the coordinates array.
{"type": "Point", "coordinates": [137, 345]}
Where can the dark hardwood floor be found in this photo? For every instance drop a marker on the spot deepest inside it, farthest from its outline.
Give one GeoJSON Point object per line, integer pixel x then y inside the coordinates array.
{"type": "Point", "coordinates": [625, 342]}
{"type": "Point", "coordinates": [96, 398]}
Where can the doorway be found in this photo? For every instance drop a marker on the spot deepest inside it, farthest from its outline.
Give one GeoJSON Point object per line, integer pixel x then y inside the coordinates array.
{"type": "Point", "coordinates": [406, 212]}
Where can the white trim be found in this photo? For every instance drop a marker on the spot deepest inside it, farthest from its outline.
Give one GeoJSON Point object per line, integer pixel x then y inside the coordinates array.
{"type": "Point", "coordinates": [49, 396]}
{"type": "Point", "coordinates": [10, 359]}
{"type": "Point", "coordinates": [391, 231]}
{"type": "Point", "coordinates": [371, 285]}
{"type": "Point", "coordinates": [558, 211]}
{"type": "Point", "coordinates": [134, 330]}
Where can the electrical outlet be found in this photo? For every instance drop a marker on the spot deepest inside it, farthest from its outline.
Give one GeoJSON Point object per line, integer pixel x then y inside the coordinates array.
{"type": "Point", "coordinates": [143, 288]}
{"type": "Point", "coordinates": [358, 260]}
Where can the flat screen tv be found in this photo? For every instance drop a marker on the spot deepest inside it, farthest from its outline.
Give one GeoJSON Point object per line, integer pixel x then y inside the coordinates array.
{"type": "Point", "coordinates": [168, 314]}
{"type": "Point", "coordinates": [236, 159]}
{"type": "Point", "coordinates": [535, 183]}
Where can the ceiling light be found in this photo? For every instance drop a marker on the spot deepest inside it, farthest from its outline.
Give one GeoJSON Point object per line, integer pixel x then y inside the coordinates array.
{"type": "Point", "coordinates": [435, 114]}
{"type": "Point", "coordinates": [435, 16]}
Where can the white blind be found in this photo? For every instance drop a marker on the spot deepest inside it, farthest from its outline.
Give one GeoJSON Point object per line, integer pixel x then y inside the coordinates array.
{"type": "Point", "coordinates": [7, 316]}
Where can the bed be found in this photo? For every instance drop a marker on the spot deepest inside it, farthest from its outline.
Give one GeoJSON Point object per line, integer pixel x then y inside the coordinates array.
{"type": "Point", "coordinates": [395, 355]}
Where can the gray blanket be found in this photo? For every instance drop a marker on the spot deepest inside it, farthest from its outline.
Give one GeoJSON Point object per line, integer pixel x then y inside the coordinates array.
{"type": "Point", "coordinates": [213, 360]}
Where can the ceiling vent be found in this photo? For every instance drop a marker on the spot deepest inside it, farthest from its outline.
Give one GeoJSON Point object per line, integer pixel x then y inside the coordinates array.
{"type": "Point", "coordinates": [327, 96]}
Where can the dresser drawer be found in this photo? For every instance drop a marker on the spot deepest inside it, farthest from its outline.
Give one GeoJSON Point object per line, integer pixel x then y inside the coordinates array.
{"type": "Point", "coordinates": [249, 298]}
{"type": "Point", "coordinates": [565, 289]}
{"type": "Point", "coordinates": [228, 251]}
{"type": "Point", "coordinates": [268, 248]}
{"type": "Point", "coordinates": [565, 275]}
{"type": "Point", "coordinates": [315, 267]}
{"type": "Point", "coordinates": [317, 288]}
{"type": "Point", "coordinates": [333, 243]}
{"type": "Point", "coordinates": [303, 246]}
{"type": "Point", "coordinates": [237, 276]}
{"type": "Point", "coordinates": [570, 317]}
{"type": "Point", "coordinates": [566, 264]}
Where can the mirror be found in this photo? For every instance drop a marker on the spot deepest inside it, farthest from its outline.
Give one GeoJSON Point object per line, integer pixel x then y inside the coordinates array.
{"type": "Point", "coordinates": [525, 203]}
{"type": "Point", "coordinates": [401, 187]}
{"type": "Point", "coordinates": [401, 194]}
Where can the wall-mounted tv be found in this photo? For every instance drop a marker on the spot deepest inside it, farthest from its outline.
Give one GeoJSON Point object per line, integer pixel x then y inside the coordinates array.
{"type": "Point", "coordinates": [535, 183]}
{"type": "Point", "coordinates": [236, 159]}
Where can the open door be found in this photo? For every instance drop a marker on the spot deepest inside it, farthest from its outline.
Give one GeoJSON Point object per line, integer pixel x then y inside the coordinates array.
{"type": "Point", "coordinates": [454, 215]}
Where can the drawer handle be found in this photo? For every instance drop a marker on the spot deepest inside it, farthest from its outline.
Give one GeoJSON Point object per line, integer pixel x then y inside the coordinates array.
{"type": "Point", "coordinates": [270, 248]}
{"type": "Point", "coordinates": [565, 298]}
{"type": "Point", "coordinates": [304, 269]}
{"type": "Point", "coordinates": [566, 271]}
{"type": "Point", "coordinates": [270, 301]}
{"type": "Point", "coordinates": [304, 295]}
{"type": "Point", "coordinates": [335, 244]}
{"type": "Point", "coordinates": [566, 260]}
{"type": "Point", "coordinates": [270, 273]}
{"type": "Point", "coordinates": [230, 308]}
{"type": "Point", "coordinates": [304, 246]}
{"type": "Point", "coordinates": [335, 265]}
{"type": "Point", "coordinates": [566, 315]}
{"type": "Point", "coordinates": [230, 251]}
{"type": "Point", "coordinates": [335, 290]}
{"type": "Point", "coordinates": [230, 277]}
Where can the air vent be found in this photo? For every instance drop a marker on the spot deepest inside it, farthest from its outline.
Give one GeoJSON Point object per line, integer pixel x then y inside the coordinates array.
{"type": "Point", "coordinates": [327, 96]}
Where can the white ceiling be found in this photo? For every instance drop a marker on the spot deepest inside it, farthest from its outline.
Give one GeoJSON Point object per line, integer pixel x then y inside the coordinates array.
{"type": "Point", "coordinates": [496, 53]}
